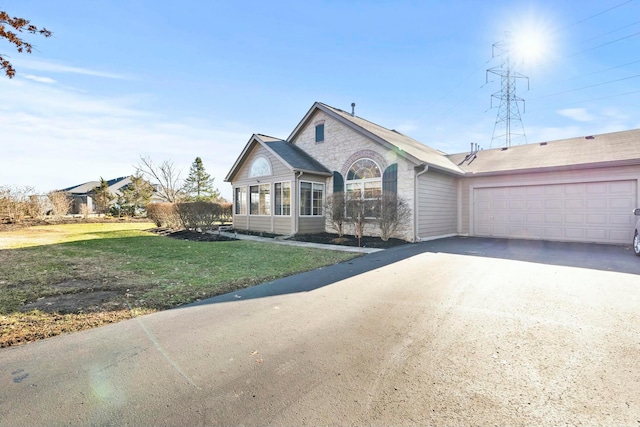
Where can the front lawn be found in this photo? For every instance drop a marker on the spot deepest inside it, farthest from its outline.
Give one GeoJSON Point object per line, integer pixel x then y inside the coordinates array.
{"type": "Point", "coordinates": [62, 278]}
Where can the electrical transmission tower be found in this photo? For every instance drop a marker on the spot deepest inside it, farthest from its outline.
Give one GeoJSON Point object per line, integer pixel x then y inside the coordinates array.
{"type": "Point", "coordinates": [508, 116]}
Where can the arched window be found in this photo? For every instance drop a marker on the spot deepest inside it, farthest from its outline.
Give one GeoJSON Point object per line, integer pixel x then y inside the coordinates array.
{"type": "Point", "coordinates": [260, 167]}
{"type": "Point", "coordinates": [364, 184]}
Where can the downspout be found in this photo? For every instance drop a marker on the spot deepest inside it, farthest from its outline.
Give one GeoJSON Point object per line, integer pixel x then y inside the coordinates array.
{"type": "Point", "coordinates": [416, 209]}
{"type": "Point", "coordinates": [296, 192]}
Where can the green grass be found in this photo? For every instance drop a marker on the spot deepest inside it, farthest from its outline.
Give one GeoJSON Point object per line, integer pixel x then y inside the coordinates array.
{"type": "Point", "coordinates": [142, 269]}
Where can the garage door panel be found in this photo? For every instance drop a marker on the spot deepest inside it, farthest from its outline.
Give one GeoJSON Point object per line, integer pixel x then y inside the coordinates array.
{"type": "Point", "coordinates": [619, 235]}
{"type": "Point", "coordinates": [597, 219]}
{"type": "Point", "coordinates": [572, 189]}
{"type": "Point", "coordinates": [574, 233]}
{"type": "Point", "coordinates": [622, 187]}
{"type": "Point", "coordinates": [535, 218]}
{"type": "Point", "coordinates": [616, 203]}
{"type": "Point", "coordinates": [572, 218]}
{"type": "Point", "coordinates": [592, 212]}
{"type": "Point", "coordinates": [597, 188]}
{"type": "Point", "coordinates": [553, 218]}
{"type": "Point", "coordinates": [624, 220]}
{"type": "Point", "coordinates": [596, 204]}
{"type": "Point", "coordinates": [575, 204]}
{"type": "Point", "coordinates": [553, 204]}
{"type": "Point", "coordinates": [597, 234]}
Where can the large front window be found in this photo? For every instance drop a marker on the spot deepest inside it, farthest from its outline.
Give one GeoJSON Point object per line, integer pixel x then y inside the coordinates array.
{"type": "Point", "coordinates": [282, 198]}
{"type": "Point", "coordinates": [364, 183]}
{"type": "Point", "coordinates": [311, 198]}
{"type": "Point", "coordinates": [260, 199]}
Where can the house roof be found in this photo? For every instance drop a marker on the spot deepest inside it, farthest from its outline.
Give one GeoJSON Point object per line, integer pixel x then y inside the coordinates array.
{"type": "Point", "coordinates": [404, 145]}
{"type": "Point", "coordinates": [588, 151]}
{"type": "Point", "coordinates": [113, 184]}
{"type": "Point", "coordinates": [296, 157]}
{"type": "Point", "coordinates": [290, 155]}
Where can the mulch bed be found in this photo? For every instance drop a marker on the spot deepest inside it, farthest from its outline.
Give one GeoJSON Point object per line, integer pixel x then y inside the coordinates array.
{"type": "Point", "coordinates": [324, 238]}
{"type": "Point", "coordinates": [349, 240]}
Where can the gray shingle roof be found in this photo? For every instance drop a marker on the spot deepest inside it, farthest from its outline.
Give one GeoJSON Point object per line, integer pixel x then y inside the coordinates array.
{"type": "Point", "coordinates": [405, 143]}
{"type": "Point", "coordinates": [573, 152]}
{"type": "Point", "coordinates": [295, 156]}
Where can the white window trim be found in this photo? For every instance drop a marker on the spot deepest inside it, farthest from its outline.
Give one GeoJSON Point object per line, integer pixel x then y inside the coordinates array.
{"type": "Point", "coordinates": [290, 199]}
{"type": "Point", "coordinates": [270, 201]}
{"type": "Point", "coordinates": [246, 201]}
{"type": "Point", "coordinates": [363, 181]}
{"type": "Point", "coordinates": [324, 195]}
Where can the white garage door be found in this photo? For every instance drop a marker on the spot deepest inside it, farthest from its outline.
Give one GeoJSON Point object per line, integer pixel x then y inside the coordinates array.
{"type": "Point", "coordinates": [582, 212]}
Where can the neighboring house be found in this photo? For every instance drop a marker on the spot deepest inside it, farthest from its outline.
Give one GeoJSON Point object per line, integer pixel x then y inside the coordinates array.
{"type": "Point", "coordinates": [580, 189]}
{"type": "Point", "coordinates": [83, 194]}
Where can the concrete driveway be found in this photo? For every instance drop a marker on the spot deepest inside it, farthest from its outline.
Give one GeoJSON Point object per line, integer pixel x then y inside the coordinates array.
{"type": "Point", "coordinates": [456, 331]}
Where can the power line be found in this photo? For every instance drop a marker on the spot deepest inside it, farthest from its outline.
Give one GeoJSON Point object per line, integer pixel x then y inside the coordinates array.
{"type": "Point", "coordinates": [611, 32]}
{"type": "Point", "coordinates": [604, 44]}
{"type": "Point", "coordinates": [595, 15]}
{"type": "Point", "coordinates": [590, 86]}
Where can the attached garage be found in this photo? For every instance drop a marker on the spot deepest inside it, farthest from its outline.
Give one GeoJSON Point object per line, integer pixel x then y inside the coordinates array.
{"type": "Point", "coordinates": [583, 212]}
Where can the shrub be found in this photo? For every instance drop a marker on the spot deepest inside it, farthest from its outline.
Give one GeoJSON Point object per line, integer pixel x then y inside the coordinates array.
{"type": "Point", "coordinates": [393, 214]}
{"type": "Point", "coordinates": [163, 215]}
{"type": "Point", "coordinates": [60, 203]}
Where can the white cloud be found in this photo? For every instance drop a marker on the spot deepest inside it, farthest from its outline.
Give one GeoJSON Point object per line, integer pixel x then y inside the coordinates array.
{"type": "Point", "coordinates": [39, 79]}
{"type": "Point", "coordinates": [53, 67]}
{"type": "Point", "coordinates": [577, 114]}
{"type": "Point", "coordinates": [56, 138]}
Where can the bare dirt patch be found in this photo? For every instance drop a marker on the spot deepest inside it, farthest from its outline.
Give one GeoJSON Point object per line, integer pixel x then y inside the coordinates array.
{"type": "Point", "coordinates": [72, 303]}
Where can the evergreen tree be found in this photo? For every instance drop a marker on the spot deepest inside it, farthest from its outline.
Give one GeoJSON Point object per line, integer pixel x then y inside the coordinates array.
{"type": "Point", "coordinates": [102, 196]}
{"type": "Point", "coordinates": [136, 195]}
{"type": "Point", "coordinates": [199, 185]}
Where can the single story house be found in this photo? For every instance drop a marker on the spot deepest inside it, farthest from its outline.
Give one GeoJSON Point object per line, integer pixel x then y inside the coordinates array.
{"type": "Point", "coordinates": [82, 194]}
{"type": "Point", "coordinates": [580, 189]}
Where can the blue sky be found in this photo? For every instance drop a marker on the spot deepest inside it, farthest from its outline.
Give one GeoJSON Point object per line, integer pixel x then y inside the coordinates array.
{"type": "Point", "coordinates": [124, 79]}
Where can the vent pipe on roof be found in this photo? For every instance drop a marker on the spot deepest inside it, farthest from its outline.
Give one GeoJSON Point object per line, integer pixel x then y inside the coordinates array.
{"type": "Point", "coordinates": [353, 109]}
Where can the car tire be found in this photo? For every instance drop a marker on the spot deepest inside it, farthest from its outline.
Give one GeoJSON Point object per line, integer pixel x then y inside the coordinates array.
{"type": "Point", "coordinates": [636, 244]}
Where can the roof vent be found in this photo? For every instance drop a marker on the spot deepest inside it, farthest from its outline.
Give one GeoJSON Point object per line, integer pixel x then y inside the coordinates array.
{"type": "Point", "coordinates": [353, 109]}
{"type": "Point", "coordinates": [543, 143]}
{"type": "Point", "coordinates": [590, 137]}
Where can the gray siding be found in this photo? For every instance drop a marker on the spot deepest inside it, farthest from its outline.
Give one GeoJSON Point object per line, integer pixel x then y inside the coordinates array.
{"type": "Point", "coordinates": [283, 225]}
{"type": "Point", "coordinates": [437, 205]}
{"type": "Point", "coordinates": [309, 225]}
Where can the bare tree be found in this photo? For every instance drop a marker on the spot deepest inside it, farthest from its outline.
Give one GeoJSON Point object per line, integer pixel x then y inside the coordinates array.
{"type": "Point", "coordinates": [164, 176]}
{"type": "Point", "coordinates": [356, 211]}
{"type": "Point", "coordinates": [393, 214]}
{"type": "Point", "coordinates": [9, 30]}
{"type": "Point", "coordinates": [60, 203]}
{"type": "Point", "coordinates": [334, 209]}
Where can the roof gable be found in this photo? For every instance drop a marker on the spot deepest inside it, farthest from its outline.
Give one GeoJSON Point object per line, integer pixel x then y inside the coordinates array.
{"type": "Point", "coordinates": [291, 156]}
{"type": "Point", "coordinates": [404, 145]}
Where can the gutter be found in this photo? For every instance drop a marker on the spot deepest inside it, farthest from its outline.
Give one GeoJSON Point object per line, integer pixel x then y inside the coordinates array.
{"type": "Point", "coordinates": [416, 209]}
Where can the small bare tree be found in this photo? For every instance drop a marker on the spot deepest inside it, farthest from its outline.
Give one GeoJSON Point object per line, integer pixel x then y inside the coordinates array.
{"type": "Point", "coordinates": [394, 212]}
{"type": "Point", "coordinates": [334, 209]}
{"type": "Point", "coordinates": [166, 177]}
{"type": "Point", "coordinates": [356, 214]}
{"type": "Point", "coordinates": [14, 203]}
{"type": "Point", "coordinates": [60, 203]}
